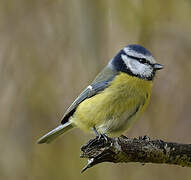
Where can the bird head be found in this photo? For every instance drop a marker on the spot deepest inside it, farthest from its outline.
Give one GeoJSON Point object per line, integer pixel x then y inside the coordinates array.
{"type": "Point", "coordinates": [137, 61]}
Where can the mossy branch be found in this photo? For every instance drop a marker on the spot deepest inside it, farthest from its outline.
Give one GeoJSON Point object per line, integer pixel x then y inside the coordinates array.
{"type": "Point", "coordinates": [143, 150]}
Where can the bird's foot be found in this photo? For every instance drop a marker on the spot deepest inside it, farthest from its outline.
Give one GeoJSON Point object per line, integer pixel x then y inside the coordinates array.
{"type": "Point", "coordinates": [103, 136]}
{"type": "Point", "coordinates": [100, 136]}
{"type": "Point", "coordinates": [99, 140]}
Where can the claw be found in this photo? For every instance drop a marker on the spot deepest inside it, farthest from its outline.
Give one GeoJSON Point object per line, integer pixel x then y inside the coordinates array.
{"type": "Point", "coordinates": [125, 137]}
{"type": "Point", "coordinates": [104, 136]}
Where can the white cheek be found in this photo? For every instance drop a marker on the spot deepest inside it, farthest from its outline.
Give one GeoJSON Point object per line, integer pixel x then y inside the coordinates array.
{"type": "Point", "coordinates": [136, 67]}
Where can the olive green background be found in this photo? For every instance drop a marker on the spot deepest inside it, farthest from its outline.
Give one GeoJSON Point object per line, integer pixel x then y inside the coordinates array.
{"type": "Point", "coordinates": [51, 50]}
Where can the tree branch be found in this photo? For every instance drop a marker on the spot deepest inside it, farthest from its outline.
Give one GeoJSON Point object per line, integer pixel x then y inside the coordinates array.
{"type": "Point", "coordinates": [141, 150]}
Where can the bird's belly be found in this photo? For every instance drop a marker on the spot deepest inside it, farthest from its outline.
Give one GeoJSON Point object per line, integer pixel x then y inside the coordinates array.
{"type": "Point", "coordinates": [116, 125]}
{"type": "Point", "coordinates": [113, 110]}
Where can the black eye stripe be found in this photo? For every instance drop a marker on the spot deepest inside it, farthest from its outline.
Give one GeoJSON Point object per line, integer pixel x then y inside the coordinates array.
{"type": "Point", "coordinates": [141, 60]}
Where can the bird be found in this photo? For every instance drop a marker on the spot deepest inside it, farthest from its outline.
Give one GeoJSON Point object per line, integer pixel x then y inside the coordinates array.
{"type": "Point", "coordinates": [117, 97]}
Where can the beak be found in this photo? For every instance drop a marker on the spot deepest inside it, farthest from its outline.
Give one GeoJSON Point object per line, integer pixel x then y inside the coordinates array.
{"type": "Point", "coordinates": [158, 66]}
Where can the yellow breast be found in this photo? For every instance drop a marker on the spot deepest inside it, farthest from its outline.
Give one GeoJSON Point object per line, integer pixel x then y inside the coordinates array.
{"type": "Point", "coordinates": [113, 110]}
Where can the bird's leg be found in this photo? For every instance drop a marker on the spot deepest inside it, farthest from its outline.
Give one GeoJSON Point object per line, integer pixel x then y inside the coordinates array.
{"type": "Point", "coordinates": [95, 131]}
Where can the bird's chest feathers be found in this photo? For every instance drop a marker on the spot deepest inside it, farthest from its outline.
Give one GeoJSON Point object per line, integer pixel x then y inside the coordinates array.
{"type": "Point", "coordinates": [124, 92]}
{"type": "Point", "coordinates": [129, 86]}
{"type": "Point", "coordinates": [119, 101]}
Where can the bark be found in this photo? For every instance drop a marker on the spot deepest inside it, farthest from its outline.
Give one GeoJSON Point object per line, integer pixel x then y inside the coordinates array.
{"type": "Point", "coordinates": [143, 150]}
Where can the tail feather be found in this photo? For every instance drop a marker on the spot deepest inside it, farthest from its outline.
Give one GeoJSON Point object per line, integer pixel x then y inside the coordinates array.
{"type": "Point", "coordinates": [50, 136]}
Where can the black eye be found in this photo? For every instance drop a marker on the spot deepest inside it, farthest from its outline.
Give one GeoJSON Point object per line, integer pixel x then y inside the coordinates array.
{"type": "Point", "coordinates": [142, 60]}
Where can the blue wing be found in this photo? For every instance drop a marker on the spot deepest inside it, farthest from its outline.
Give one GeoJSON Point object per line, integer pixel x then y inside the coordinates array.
{"type": "Point", "coordinates": [101, 82]}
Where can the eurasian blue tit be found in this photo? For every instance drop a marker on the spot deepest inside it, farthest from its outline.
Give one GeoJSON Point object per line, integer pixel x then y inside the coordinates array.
{"type": "Point", "coordinates": [115, 99]}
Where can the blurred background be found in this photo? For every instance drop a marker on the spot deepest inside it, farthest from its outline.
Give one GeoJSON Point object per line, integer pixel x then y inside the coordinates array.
{"type": "Point", "coordinates": [51, 50]}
